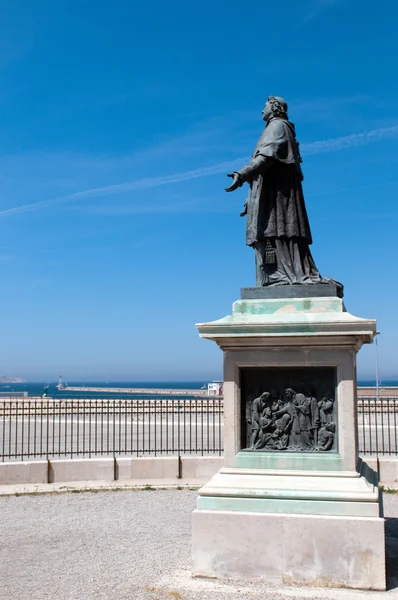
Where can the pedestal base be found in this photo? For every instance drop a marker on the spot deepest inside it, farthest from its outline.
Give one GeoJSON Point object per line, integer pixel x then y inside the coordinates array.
{"type": "Point", "coordinates": [319, 528]}
{"type": "Point", "coordinates": [312, 550]}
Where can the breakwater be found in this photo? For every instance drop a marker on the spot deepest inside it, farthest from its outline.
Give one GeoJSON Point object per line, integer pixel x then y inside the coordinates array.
{"type": "Point", "coordinates": [146, 391]}
{"type": "Point", "coordinates": [371, 392]}
{"type": "Point", "coordinates": [363, 391]}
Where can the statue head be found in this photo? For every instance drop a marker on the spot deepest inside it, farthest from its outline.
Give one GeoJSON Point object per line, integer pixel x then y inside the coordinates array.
{"type": "Point", "coordinates": [290, 394]}
{"type": "Point", "coordinates": [275, 107]}
{"type": "Point", "coordinates": [265, 396]}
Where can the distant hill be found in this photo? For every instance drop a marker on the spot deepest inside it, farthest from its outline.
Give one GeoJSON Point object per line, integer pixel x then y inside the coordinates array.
{"type": "Point", "coordinates": [5, 379]}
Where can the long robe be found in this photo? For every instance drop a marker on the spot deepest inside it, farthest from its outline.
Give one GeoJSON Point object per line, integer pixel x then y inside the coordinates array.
{"type": "Point", "coordinates": [277, 224]}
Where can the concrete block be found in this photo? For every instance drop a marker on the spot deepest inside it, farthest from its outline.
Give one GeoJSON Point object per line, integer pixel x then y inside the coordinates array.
{"type": "Point", "coordinates": [334, 551]}
{"type": "Point", "coordinates": [24, 472]}
{"type": "Point", "coordinates": [149, 467]}
{"type": "Point", "coordinates": [372, 462]}
{"type": "Point", "coordinates": [388, 470]}
{"type": "Point", "coordinates": [201, 467]}
{"type": "Point", "coordinates": [311, 550]}
{"type": "Point", "coordinates": [237, 545]}
{"type": "Point", "coordinates": [82, 469]}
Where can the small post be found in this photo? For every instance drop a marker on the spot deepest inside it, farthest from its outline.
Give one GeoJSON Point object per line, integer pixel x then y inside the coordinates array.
{"type": "Point", "coordinates": [377, 367]}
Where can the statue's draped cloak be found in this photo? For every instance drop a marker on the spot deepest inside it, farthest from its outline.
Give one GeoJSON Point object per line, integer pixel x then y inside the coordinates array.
{"type": "Point", "coordinates": [278, 141]}
{"type": "Point", "coordinates": [275, 207]}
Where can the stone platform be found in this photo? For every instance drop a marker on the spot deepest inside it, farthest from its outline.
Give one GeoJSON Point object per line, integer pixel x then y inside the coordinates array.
{"type": "Point", "coordinates": [307, 517]}
{"type": "Point", "coordinates": [338, 493]}
{"type": "Point", "coordinates": [290, 549]}
{"type": "Point", "coordinates": [310, 527]}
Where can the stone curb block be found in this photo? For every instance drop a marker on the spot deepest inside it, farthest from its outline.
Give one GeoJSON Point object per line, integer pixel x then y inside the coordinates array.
{"type": "Point", "coordinates": [24, 472]}
{"type": "Point", "coordinates": [109, 469]}
{"type": "Point", "coordinates": [372, 462]}
{"type": "Point", "coordinates": [147, 468]}
{"type": "Point", "coordinates": [201, 467]}
{"type": "Point", "coordinates": [81, 469]}
{"type": "Point", "coordinates": [388, 471]}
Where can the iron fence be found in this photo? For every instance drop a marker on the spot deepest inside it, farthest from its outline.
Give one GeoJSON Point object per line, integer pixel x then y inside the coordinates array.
{"type": "Point", "coordinates": [112, 427]}
{"type": "Point", "coordinates": [377, 425]}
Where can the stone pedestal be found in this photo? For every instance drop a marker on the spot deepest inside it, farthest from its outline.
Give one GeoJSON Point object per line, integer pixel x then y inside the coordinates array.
{"type": "Point", "coordinates": [311, 517]}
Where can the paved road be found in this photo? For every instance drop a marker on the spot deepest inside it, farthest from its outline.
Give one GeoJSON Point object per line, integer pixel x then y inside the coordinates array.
{"type": "Point", "coordinates": [129, 546]}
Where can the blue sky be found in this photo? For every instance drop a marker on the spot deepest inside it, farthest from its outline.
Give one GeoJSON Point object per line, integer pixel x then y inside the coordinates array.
{"type": "Point", "coordinates": [118, 123]}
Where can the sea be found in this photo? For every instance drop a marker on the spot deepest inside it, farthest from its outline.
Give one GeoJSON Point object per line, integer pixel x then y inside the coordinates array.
{"type": "Point", "coordinates": [36, 388]}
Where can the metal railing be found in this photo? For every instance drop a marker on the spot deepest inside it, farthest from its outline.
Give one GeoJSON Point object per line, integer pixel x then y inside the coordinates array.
{"type": "Point", "coordinates": [377, 425]}
{"type": "Point", "coordinates": [112, 427]}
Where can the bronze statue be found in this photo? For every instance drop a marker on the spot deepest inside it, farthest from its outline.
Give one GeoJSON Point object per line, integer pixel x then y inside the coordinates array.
{"type": "Point", "coordinates": [277, 225]}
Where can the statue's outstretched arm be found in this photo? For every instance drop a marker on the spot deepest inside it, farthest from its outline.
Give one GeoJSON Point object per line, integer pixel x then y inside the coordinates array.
{"type": "Point", "coordinates": [256, 165]}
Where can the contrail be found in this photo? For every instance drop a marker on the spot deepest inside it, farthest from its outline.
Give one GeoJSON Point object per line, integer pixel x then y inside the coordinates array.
{"type": "Point", "coordinates": [350, 141]}
{"type": "Point", "coordinates": [340, 143]}
{"type": "Point", "coordinates": [139, 184]}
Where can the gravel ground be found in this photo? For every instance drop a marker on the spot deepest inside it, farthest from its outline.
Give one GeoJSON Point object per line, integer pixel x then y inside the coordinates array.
{"type": "Point", "coordinates": [129, 545]}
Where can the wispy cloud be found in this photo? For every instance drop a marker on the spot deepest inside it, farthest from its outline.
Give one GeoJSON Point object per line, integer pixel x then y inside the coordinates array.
{"type": "Point", "coordinates": [350, 141]}
{"type": "Point", "coordinates": [330, 145]}
{"type": "Point", "coordinates": [316, 8]}
{"type": "Point", "coordinates": [138, 184]}
{"type": "Point", "coordinates": [312, 10]}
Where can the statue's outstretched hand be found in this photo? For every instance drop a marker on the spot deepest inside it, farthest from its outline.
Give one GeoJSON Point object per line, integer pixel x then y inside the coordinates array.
{"type": "Point", "coordinates": [234, 186]}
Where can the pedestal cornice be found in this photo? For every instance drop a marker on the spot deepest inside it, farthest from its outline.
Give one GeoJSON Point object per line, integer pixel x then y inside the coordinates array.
{"type": "Point", "coordinates": [293, 322]}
